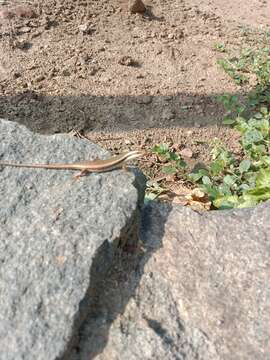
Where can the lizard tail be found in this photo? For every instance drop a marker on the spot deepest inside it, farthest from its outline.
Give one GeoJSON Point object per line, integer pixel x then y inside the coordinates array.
{"type": "Point", "coordinates": [42, 166]}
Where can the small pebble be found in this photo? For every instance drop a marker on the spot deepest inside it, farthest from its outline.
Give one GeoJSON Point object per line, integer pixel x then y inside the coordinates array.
{"type": "Point", "coordinates": [24, 12]}
{"type": "Point", "coordinates": [188, 153]}
{"type": "Point", "coordinates": [136, 6]}
{"type": "Point", "coordinates": [6, 14]}
{"type": "Point", "coordinates": [144, 99]}
{"type": "Point", "coordinates": [127, 61]}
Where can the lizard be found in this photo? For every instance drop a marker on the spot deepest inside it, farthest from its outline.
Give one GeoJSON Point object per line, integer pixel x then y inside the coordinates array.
{"type": "Point", "coordinates": [85, 166]}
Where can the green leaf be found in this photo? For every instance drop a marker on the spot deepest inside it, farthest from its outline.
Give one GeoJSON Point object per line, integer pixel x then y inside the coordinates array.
{"type": "Point", "coordinates": [196, 176]}
{"type": "Point", "coordinates": [225, 189]}
{"type": "Point", "coordinates": [256, 151]}
{"type": "Point", "coordinates": [171, 156]}
{"type": "Point", "coordinates": [240, 109]}
{"type": "Point", "coordinates": [243, 187]}
{"type": "Point", "coordinates": [264, 127]}
{"type": "Point", "coordinates": [265, 160]}
{"type": "Point", "coordinates": [226, 202]}
{"type": "Point", "coordinates": [212, 191]}
{"type": "Point", "coordinates": [169, 169]}
{"type": "Point", "coordinates": [258, 116]}
{"type": "Point", "coordinates": [264, 110]}
{"type": "Point", "coordinates": [242, 125]}
{"type": "Point", "coordinates": [217, 167]}
{"type": "Point", "coordinates": [246, 203]}
{"type": "Point", "coordinates": [258, 194]}
{"type": "Point", "coordinates": [263, 178]}
{"type": "Point", "coordinates": [252, 136]}
{"type": "Point", "coordinates": [229, 180]}
{"type": "Point", "coordinates": [160, 149]}
{"type": "Point", "coordinates": [206, 180]}
{"type": "Point", "coordinates": [229, 121]}
{"type": "Point", "coordinates": [150, 197]}
{"type": "Point", "coordinates": [244, 166]}
{"type": "Point", "coordinates": [250, 178]}
{"type": "Point", "coordinates": [181, 164]}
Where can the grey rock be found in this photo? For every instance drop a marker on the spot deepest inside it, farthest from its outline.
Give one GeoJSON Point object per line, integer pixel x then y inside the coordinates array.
{"type": "Point", "coordinates": [199, 290]}
{"type": "Point", "coordinates": [58, 237]}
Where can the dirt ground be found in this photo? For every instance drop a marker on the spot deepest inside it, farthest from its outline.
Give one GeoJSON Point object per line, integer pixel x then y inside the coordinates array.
{"type": "Point", "coordinates": [123, 79]}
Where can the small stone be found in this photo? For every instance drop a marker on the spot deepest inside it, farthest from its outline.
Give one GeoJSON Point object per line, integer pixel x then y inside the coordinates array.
{"type": "Point", "coordinates": [145, 99]}
{"type": "Point", "coordinates": [168, 114]}
{"type": "Point", "coordinates": [23, 45]}
{"type": "Point", "coordinates": [52, 73]}
{"type": "Point", "coordinates": [127, 61]}
{"type": "Point", "coordinates": [16, 75]}
{"type": "Point", "coordinates": [25, 29]}
{"type": "Point", "coordinates": [188, 153]}
{"type": "Point", "coordinates": [84, 59]}
{"type": "Point", "coordinates": [167, 98]}
{"type": "Point", "coordinates": [93, 71]}
{"type": "Point", "coordinates": [85, 28]}
{"type": "Point", "coordinates": [6, 14]}
{"type": "Point", "coordinates": [40, 78]}
{"type": "Point", "coordinates": [136, 6]}
{"type": "Point", "coordinates": [24, 12]}
{"type": "Point", "coordinates": [66, 72]}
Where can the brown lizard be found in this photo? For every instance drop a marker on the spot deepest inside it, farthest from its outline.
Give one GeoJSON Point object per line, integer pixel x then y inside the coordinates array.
{"type": "Point", "coordinates": [85, 166]}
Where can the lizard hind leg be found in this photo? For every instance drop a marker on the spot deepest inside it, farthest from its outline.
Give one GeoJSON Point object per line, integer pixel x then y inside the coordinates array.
{"type": "Point", "coordinates": [80, 174]}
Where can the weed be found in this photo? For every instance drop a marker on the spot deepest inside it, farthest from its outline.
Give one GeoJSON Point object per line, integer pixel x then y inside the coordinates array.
{"type": "Point", "coordinates": [220, 47]}
{"type": "Point", "coordinates": [243, 182]}
{"type": "Point", "coordinates": [228, 181]}
{"type": "Point", "coordinates": [175, 161]}
{"type": "Point", "coordinates": [231, 69]}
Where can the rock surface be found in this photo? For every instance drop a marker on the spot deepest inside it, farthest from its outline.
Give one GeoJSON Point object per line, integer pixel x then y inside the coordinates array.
{"type": "Point", "coordinates": [199, 290]}
{"type": "Point", "coordinates": [136, 6]}
{"type": "Point", "coordinates": [57, 239]}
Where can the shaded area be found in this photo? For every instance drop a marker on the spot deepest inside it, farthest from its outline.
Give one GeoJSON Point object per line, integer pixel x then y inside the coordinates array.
{"type": "Point", "coordinates": [51, 114]}
{"type": "Point", "coordinates": [110, 292]}
{"type": "Point", "coordinates": [188, 294]}
{"type": "Point", "coordinates": [73, 76]}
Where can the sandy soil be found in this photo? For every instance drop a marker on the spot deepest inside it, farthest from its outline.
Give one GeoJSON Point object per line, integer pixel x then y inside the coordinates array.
{"type": "Point", "coordinates": [93, 67]}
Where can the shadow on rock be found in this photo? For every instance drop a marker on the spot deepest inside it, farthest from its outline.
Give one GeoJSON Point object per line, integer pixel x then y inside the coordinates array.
{"type": "Point", "coordinates": [110, 293]}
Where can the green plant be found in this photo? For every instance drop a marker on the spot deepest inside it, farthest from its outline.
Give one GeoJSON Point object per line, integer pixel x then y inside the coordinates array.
{"type": "Point", "coordinates": [174, 161]}
{"type": "Point", "coordinates": [244, 182]}
{"type": "Point", "coordinates": [249, 62]}
{"type": "Point", "coordinates": [220, 47]}
{"type": "Point", "coordinates": [232, 104]}
{"type": "Point", "coordinates": [154, 190]}
{"type": "Point", "coordinates": [231, 69]}
{"type": "Point", "coordinates": [230, 181]}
